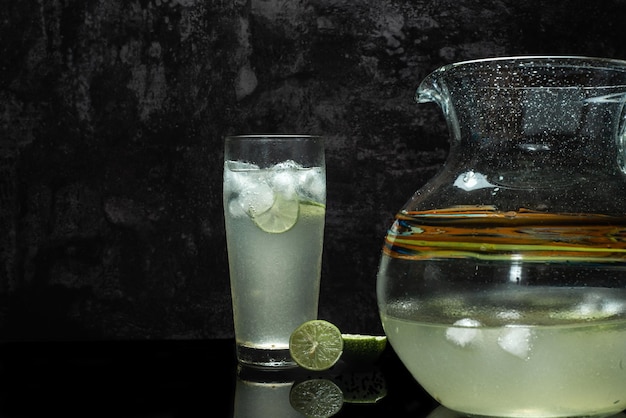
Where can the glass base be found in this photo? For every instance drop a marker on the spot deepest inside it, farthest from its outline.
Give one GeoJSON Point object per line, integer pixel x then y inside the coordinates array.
{"type": "Point", "coordinates": [260, 358]}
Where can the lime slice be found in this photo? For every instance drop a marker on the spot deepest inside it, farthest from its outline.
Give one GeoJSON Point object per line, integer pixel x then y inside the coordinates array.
{"type": "Point", "coordinates": [316, 345]}
{"type": "Point", "coordinates": [359, 348]}
{"type": "Point", "coordinates": [316, 398]}
{"type": "Point", "coordinates": [280, 217]}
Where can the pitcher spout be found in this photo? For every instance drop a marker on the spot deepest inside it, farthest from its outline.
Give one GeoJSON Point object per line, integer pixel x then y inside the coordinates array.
{"type": "Point", "coordinates": [433, 89]}
{"type": "Point", "coordinates": [565, 111]}
{"type": "Point", "coordinates": [430, 89]}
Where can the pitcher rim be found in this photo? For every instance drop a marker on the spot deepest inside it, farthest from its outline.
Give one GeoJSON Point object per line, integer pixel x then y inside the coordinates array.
{"type": "Point", "coordinates": [430, 88]}
{"type": "Point", "coordinates": [547, 58]}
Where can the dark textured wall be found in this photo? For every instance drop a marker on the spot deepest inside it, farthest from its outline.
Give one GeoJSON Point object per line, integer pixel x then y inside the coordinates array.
{"type": "Point", "coordinates": [112, 114]}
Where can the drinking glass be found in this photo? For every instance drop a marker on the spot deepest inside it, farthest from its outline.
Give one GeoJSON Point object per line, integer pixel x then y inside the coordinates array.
{"type": "Point", "coordinates": [274, 209]}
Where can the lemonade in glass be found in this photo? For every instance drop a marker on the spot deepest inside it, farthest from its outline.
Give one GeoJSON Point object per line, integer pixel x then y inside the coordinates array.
{"type": "Point", "coordinates": [274, 209]}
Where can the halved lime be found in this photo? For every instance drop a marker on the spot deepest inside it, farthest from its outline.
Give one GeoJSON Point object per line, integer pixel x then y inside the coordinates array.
{"type": "Point", "coordinates": [280, 217]}
{"type": "Point", "coordinates": [316, 345]}
{"type": "Point", "coordinates": [316, 398]}
{"type": "Point", "coordinates": [358, 348]}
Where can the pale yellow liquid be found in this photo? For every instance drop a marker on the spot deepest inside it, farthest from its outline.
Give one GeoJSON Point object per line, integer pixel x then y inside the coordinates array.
{"type": "Point", "coordinates": [275, 278]}
{"type": "Point", "coordinates": [570, 368]}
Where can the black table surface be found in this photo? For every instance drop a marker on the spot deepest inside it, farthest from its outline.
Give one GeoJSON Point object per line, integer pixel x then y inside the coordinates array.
{"type": "Point", "coordinates": [160, 379]}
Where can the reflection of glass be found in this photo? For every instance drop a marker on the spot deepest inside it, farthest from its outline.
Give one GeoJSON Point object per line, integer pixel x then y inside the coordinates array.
{"type": "Point", "coordinates": [502, 283]}
{"type": "Point", "coordinates": [264, 395]}
{"type": "Point", "coordinates": [443, 412]}
{"type": "Point", "coordinates": [283, 394]}
{"type": "Point", "coordinates": [274, 208]}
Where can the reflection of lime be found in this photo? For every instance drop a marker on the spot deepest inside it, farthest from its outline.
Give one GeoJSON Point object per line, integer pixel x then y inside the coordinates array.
{"type": "Point", "coordinates": [316, 345]}
{"type": "Point", "coordinates": [359, 348]}
{"type": "Point", "coordinates": [316, 398]}
{"type": "Point", "coordinates": [280, 217]}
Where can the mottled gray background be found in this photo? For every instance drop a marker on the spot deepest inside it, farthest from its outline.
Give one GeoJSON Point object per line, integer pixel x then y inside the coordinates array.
{"type": "Point", "coordinates": [112, 114]}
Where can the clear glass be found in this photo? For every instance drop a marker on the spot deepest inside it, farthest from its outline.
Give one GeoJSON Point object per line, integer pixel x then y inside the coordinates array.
{"type": "Point", "coordinates": [263, 395]}
{"type": "Point", "coordinates": [502, 283]}
{"type": "Point", "coordinates": [274, 209]}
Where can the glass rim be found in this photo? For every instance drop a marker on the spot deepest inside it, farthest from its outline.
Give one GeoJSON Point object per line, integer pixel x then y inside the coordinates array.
{"type": "Point", "coordinates": [273, 136]}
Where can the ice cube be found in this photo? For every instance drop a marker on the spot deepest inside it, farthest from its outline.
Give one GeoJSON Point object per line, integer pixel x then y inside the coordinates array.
{"type": "Point", "coordinates": [463, 332]}
{"type": "Point", "coordinates": [286, 165]}
{"type": "Point", "coordinates": [312, 184]}
{"type": "Point", "coordinates": [256, 199]}
{"type": "Point", "coordinates": [284, 179]}
{"type": "Point", "coordinates": [238, 176]}
{"type": "Point", "coordinates": [235, 209]}
{"type": "Point", "coordinates": [240, 165]}
{"type": "Point", "coordinates": [516, 340]}
{"type": "Point", "coordinates": [284, 182]}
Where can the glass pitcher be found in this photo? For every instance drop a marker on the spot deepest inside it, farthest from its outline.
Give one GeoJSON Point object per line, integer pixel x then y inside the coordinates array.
{"type": "Point", "coordinates": [502, 283]}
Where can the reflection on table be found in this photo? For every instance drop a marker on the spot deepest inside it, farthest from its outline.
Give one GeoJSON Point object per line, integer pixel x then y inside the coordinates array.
{"type": "Point", "coordinates": [263, 399]}
{"type": "Point", "coordinates": [295, 392]}
{"type": "Point", "coordinates": [164, 379]}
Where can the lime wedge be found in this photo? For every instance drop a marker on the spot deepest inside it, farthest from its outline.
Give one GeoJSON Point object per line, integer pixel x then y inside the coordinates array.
{"type": "Point", "coordinates": [316, 398]}
{"type": "Point", "coordinates": [316, 345]}
{"type": "Point", "coordinates": [359, 348]}
{"type": "Point", "coordinates": [280, 217]}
